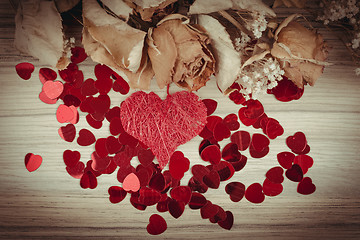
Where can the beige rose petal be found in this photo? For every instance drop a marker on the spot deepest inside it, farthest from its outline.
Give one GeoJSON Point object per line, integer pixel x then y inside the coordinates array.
{"type": "Point", "coordinates": [162, 53]}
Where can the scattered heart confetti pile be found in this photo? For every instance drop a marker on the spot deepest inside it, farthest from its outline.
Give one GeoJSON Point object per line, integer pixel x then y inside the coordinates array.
{"type": "Point", "coordinates": [146, 127]}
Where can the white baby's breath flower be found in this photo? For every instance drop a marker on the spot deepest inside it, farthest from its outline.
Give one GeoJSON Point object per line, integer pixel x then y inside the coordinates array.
{"type": "Point", "coordinates": [357, 71]}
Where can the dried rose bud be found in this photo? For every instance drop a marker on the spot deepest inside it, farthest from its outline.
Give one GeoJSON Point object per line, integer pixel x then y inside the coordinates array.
{"type": "Point", "coordinates": [180, 53]}
{"type": "Point", "coordinates": [301, 52]}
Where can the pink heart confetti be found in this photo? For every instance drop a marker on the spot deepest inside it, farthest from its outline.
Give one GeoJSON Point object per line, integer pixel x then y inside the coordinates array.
{"type": "Point", "coordinates": [53, 89]}
{"type": "Point", "coordinates": [32, 162]}
{"type": "Point", "coordinates": [131, 183]}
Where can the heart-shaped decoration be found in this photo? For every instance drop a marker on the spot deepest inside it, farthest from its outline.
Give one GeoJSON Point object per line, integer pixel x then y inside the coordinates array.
{"type": "Point", "coordinates": [24, 70]}
{"type": "Point", "coordinates": [71, 158]}
{"type": "Point", "coordinates": [210, 105]}
{"type": "Point", "coordinates": [88, 180]}
{"type": "Point", "coordinates": [181, 193]}
{"type": "Point", "coordinates": [77, 171]}
{"type": "Point", "coordinates": [304, 161]}
{"type": "Point", "coordinates": [211, 154]}
{"type": "Point", "coordinates": [286, 159]}
{"type": "Point", "coordinates": [32, 162]}
{"type": "Point", "coordinates": [271, 189]}
{"type": "Point", "coordinates": [146, 157]}
{"type": "Point", "coordinates": [131, 183]}
{"type": "Point", "coordinates": [47, 74]}
{"type": "Point", "coordinates": [236, 191]}
{"type": "Point", "coordinates": [116, 194]}
{"type": "Point", "coordinates": [64, 114]}
{"type": "Point", "coordinates": [85, 138]}
{"type": "Point", "coordinates": [254, 193]}
{"type": "Point", "coordinates": [297, 142]}
{"type": "Point", "coordinates": [294, 173]}
{"type": "Point", "coordinates": [67, 132]}
{"type": "Point", "coordinates": [176, 208]}
{"type": "Point", "coordinates": [228, 222]}
{"type": "Point", "coordinates": [157, 225]}
{"type": "Point", "coordinates": [157, 182]}
{"type": "Point", "coordinates": [306, 186]}
{"type": "Point", "coordinates": [163, 125]}
{"type": "Point", "coordinates": [197, 200]}
{"type": "Point", "coordinates": [209, 210]}
{"type": "Point", "coordinates": [242, 139]}
{"type": "Point", "coordinates": [53, 89]}
{"type": "Point", "coordinates": [275, 175]}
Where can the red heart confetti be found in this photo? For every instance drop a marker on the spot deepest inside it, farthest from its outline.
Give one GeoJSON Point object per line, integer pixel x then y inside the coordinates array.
{"type": "Point", "coordinates": [297, 142]}
{"type": "Point", "coordinates": [112, 145]}
{"type": "Point", "coordinates": [24, 70]}
{"type": "Point", "coordinates": [286, 90]}
{"type": "Point", "coordinates": [32, 162]}
{"type": "Point", "coordinates": [177, 120]}
{"type": "Point", "coordinates": [256, 154]}
{"type": "Point", "coordinates": [131, 183]}
{"type": "Point", "coordinates": [241, 139]}
{"type": "Point", "coordinates": [285, 159]}
{"type": "Point", "coordinates": [146, 157]}
{"type": "Point", "coordinates": [231, 121]}
{"type": "Point", "coordinates": [100, 147]}
{"type": "Point", "coordinates": [88, 180]}
{"type": "Point", "coordinates": [306, 186]}
{"type": "Point", "coordinates": [149, 196]}
{"type": "Point", "coordinates": [211, 154]}
{"type": "Point", "coordinates": [197, 200]}
{"type": "Point", "coordinates": [236, 191]}
{"type": "Point", "coordinates": [71, 158]}
{"type": "Point", "coordinates": [254, 109]}
{"type": "Point", "coordinates": [157, 225]}
{"type": "Point", "coordinates": [275, 175]}
{"type": "Point", "coordinates": [212, 179]}
{"type": "Point", "coordinates": [272, 189]}
{"type": "Point", "coordinates": [67, 132]}
{"type": "Point", "coordinates": [116, 126]}
{"type": "Point", "coordinates": [181, 193]}
{"type": "Point", "coordinates": [221, 132]}
{"type": "Point", "coordinates": [211, 106]}
{"type": "Point", "coordinates": [208, 210]}
{"type": "Point", "coordinates": [120, 85]}
{"type": "Point", "coordinates": [225, 170]}
{"type": "Point", "coordinates": [237, 97]}
{"type": "Point", "coordinates": [157, 182]}
{"type": "Point", "coordinates": [240, 164]}
{"type": "Point", "coordinates": [85, 138]}
{"type": "Point", "coordinates": [178, 165]}
{"type": "Point", "coordinates": [197, 185]}
{"type": "Point", "coordinates": [117, 194]}
{"type": "Point", "coordinates": [273, 128]}
{"type": "Point", "coordinates": [77, 171]}
{"type": "Point", "coordinates": [78, 55]}
{"type": "Point", "coordinates": [259, 142]}
{"type": "Point", "coordinates": [254, 193]}
{"type": "Point", "coordinates": [304, 161]}
{"type": "Point", "coordinates": [219, 216]}
{"type": "Point", "coordinates": [99, 163]}
{"type": "Point", "coordinates": [92, 122]}
{"type": "Point", "coordinates": [231, 153]}
{"type": "Point", "coordinates": [228, 222]}
{"type": "Point", "coordinates": [294, 173]}
{"type": "Point", "coordinates": [47, 74]}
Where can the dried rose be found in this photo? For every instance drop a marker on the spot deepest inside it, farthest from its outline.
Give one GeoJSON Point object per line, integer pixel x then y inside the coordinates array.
{"type": "Point", "coordinates": [301, 52]}
{"type": "Point", "coordinates": [180, 53]}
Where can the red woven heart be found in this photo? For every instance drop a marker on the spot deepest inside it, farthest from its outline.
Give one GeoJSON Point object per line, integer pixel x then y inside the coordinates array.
{"type": "Point", "coordinates": [163, 125]}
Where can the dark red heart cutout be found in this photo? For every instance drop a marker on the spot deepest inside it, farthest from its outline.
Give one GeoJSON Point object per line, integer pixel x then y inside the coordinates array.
{"type": "Point", "coordinates": [176, 208]}
{"type": "Point", "coordinates": [178, 165]}
{"type": "Point", "coordinates": [146, 157]}
{"type": "Point", "coordinates": [254, 193]}
{"type": "Point", "coordinates": [197, 200]}
{"type": "Point", "coordinates": [88, 180]}
{"type": "Point", "coordinates": [241, 139]}
{"type": "Point", "coordinates": [210, 106]}
{"type": "Point", "coordinates": [209, 210]}
{"type": "Point", "coordinates": [181, 193]}
{"type": "Point", "coordinates": [228, 222]}
{"type": "Point", "coordinates": [71, 158]}
{"type": "Point", "coordinates": [112, 145]}
{"type": "Point", "coordinates": [231, 121]}
{"type": "Point", "coordinates": [157, 225]}
{"type": "Point", "coordinates": [306, 186]}
{"type": "Point", "coordinates": [285, 159]}
{"type": "Point", "coordinates": [272, 189]}
{"type": "Point", "coordinates": [304, 161]}
{"type": "Point", "coordinates": [24, 70]}
{"type": "Point", "coordinates": [211, 154]}
{"type": "Point", "coordinates": [77, 171]}
{"type": "Point", "coordinates": [67, 132]}
{"type": "Point", "coordinates": [47, 74]}
{"type": "Point", "coordinates": [294, 173]}
{"type": "Point", "coordinates": [85, 138]}
{"type": "Point", "coordinates": [275, 175]}
{"type": "Point", "coordinates": [221, 131]}
{"type": "Point", "coordinates": [297, 142]}
{"type": "Point", "coordinates": [117, 194]}
{"type": "Point", "coordinates": [212, 179]}
{"type": "Point", "coordinates": [157, 182]}
{"type": "Point", "coordinates": [259, 142]}
{"type": "Point", "coordinates": [236, 191]}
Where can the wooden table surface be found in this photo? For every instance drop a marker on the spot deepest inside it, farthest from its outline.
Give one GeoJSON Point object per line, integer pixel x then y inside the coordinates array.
{"type": "Point", "coordinates": [49, 204]}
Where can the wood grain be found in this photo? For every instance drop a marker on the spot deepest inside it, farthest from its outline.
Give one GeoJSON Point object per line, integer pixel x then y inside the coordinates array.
{"type": "Point", "coordinates": [49, 204]}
